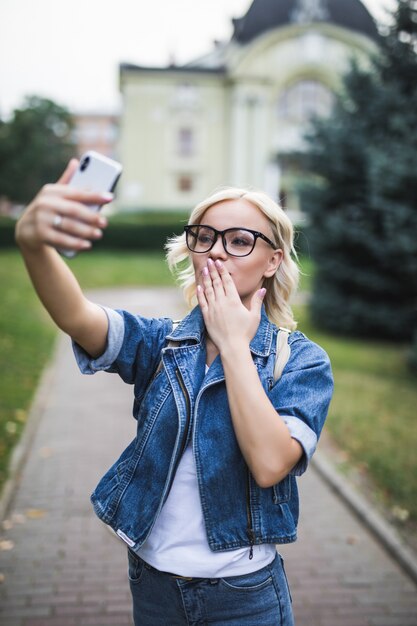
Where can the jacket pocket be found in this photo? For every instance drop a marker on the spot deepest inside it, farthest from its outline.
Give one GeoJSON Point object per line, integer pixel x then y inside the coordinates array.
{"type": "Point", "coordinates": [281, 492]}
{"type": "Point", "coordinates": [107, 494]}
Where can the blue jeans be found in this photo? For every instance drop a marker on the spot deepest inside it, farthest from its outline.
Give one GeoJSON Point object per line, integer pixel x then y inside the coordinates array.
{"type": "Point", "coordinates": [162, 599]}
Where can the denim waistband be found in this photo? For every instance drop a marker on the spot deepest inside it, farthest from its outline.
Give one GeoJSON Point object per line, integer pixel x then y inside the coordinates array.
{"type": "Point", "coordinates": [194, 578]}
{"type": "Point", "coordinates": [170, 574]}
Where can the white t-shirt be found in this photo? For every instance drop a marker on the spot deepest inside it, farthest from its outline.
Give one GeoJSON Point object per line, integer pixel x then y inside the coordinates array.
{"type": "Point", "coordinates": [178, 541]}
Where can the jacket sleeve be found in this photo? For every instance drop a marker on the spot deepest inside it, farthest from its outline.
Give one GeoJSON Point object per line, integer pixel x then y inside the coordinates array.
{"type": "Point", "coordinates": [302, 396]}
{"type": "Point", "coordinates": [133, 349]}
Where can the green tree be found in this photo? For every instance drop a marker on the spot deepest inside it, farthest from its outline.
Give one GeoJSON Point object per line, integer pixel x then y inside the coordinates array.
{"type": "Point", "coordinates": [35, 146]}
{"type": "Point", "coordinates": [362, 194]}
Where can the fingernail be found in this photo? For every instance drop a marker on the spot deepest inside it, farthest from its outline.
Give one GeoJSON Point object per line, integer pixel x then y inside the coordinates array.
{"type": "Point", "coordinates": [205, 271]}
{"type": "Point", "coordinates": [209, 262]}
{"type": "Point", "coordinates": [107, 195]}
{"type": "Point", "coordinates": [97, 232]}
{"type": "Point", "coordinates": [262, 292]}
{"type": "Point", "coordinates": [219, 264]}
{"type": "Point", "coordinates": [102, 221]}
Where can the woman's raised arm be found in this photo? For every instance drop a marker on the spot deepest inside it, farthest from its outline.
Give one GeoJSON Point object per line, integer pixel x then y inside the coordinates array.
{"type": "Point", "coordinates": [58, 218]}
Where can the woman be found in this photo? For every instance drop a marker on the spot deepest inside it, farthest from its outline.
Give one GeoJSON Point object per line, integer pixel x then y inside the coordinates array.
{"type": "Point", "coordinates": [207, 488]}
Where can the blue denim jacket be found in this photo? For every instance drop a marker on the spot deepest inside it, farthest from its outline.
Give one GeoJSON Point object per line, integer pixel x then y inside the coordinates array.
{"type": "Point", "coordinates": [181, 403]}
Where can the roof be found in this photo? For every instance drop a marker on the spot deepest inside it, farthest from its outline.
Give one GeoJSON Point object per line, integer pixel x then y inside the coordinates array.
{"type": "Point", "coordinates": [190, 69]}
{"type": "Point", "coordinates": [264, 15]}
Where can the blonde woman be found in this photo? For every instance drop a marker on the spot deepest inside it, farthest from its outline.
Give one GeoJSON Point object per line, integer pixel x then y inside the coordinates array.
{"type": "Point", "coordinates": [207, 489]}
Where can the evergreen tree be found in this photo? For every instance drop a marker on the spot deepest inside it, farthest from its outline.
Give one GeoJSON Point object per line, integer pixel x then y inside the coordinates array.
{"type": "Point", "coordinates": [35, 146]}
{"type": "Point", "coordinates": [362, 195]}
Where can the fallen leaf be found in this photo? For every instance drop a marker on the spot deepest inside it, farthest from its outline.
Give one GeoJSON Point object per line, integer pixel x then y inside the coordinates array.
{"type": "Point", "coordinates": [21, 415]}
{"type": "Point", "coordinates": [400, 514]}
{"type": "Point", "coordinates": [46, 453]}
{"type": "Point", "coordinates": [352, 540]}
{"type": "Point", "coordinates": [35, 513]}
{"type": "Point", "coordinates": [7, 524]}
{"type": "Point", "coordinates": [11, 428]}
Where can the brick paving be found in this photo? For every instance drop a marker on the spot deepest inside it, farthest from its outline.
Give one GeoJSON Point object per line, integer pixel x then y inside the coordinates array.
{"type": "Point", "coordinates": [64, 568]}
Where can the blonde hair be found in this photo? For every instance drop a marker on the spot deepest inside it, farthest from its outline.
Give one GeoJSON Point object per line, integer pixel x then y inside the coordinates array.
{"type": "Point", "coordinates": [280, 287]}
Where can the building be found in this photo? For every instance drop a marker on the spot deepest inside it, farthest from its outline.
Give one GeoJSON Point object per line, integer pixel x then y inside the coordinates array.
{"type": "Point", "coordinates": [96, 131]}
{"type": "Point", "coordinates": [234, 115]}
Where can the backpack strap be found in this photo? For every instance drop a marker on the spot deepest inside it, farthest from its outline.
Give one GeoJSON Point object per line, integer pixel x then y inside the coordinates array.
{"type": "Point", "coordinates": [175, 325]}
{"type": "Point", "coordinates": [283, 352]}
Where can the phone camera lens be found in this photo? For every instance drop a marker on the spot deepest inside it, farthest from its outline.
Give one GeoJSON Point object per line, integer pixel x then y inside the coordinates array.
{"type": "Point", "coordinates": [84, 163]}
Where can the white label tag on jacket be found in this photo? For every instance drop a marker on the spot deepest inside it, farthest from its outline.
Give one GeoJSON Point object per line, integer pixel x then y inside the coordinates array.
{"type": "Point", "coordinates": [125, 538]}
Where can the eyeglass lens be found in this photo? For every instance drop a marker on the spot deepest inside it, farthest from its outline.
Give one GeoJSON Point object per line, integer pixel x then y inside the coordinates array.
{"type": "Point", "coordinates": [237, 241]}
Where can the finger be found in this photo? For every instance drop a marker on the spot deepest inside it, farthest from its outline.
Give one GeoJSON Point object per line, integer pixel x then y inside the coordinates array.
{"type": "Point", "coordinates": [75, 228]}
{"type": "Point", "coordinates": [65, 232]}
{"type": "Point", "coordinates": [73, 210]}
{"type": "Point", "coordinates": [65, 241]}
{"type": "Point", "coordinates": [215, 279]}
{"type": "Point", "coordinates": [257, 300]}
{"type": "Point", "coordinates": [201, 299]}
{"type": "Point", "coordinates": [56, 226]}
{"type": "Point", "coordinates": [79, 195]}
{"type": "Point", "coordinates": [208, 285]}
{"type": "Point", "coordinates": [228, 284]}
{"type": "Point", "coordinates": [68, 172]}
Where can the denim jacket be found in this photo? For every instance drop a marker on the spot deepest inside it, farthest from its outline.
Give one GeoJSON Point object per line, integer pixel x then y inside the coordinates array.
{"type": "Point", "coordinates": [181, 403]}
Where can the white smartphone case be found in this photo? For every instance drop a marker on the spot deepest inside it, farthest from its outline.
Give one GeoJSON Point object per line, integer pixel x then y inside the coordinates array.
{"type": "Point", "coordinates": [95, 172]}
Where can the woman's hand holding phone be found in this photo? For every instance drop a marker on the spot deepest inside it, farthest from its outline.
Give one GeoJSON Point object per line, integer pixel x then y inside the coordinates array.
{"type": "Point", "coordinates": [63, 215]}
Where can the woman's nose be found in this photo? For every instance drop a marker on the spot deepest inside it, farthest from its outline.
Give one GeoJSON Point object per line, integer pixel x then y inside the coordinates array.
{"type": "Point", "coordinates": [218, 251]}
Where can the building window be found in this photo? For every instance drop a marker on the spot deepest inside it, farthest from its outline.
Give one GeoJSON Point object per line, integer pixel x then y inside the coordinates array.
{"type": "Point", "coordinates": [185, 183]}
{"type": "Point", "coordinates": [304, 100]}
{"type": "Point", "coordinates": [186, 142]}
{"type": "Point", "coordinates": [186, 97]}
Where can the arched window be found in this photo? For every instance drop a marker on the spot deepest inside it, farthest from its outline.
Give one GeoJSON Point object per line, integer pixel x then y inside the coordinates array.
{"type": "Point", "coordinates": [303, 100]}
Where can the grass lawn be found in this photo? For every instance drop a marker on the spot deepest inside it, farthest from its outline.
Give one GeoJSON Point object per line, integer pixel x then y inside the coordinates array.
{"type": "Point", "coordinates": [109, 269]}
{"type": "Point", "coordinates": [27, 334]}
{"type": "Point", "coordinates": [372, 415]}
{"type": "Point", "coordinates": [373, 412]}
{"type": "Point", "coordinates": [26, 338]}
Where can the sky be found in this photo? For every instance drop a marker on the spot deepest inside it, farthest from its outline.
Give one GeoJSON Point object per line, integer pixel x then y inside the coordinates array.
{"type": "Point", "coordinates": [70, 52]}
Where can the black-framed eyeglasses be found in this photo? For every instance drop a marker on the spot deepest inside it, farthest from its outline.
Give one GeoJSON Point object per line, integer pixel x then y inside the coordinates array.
{"type": "Point", "coordinates": [236, 241]}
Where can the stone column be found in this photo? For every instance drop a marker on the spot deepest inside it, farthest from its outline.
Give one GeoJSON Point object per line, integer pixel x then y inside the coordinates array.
{"type": "Point", "coordinates": [238, 137]}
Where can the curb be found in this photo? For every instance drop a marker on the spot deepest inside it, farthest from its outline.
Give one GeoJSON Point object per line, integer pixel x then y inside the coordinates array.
{"type": "Point", "coordinates": [367, 514]}
{"type": "Point", "coordinates": [22, 449]}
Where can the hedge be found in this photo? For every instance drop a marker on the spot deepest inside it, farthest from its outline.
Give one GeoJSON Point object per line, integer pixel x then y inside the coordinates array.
{"type": "Point", "coordinates": [119, 236]}
{"type": "Point", "coordinates": [7, 226]}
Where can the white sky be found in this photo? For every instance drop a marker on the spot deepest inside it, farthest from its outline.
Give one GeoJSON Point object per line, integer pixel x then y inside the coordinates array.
{"type": "Point", "coordinates": [70, 52]}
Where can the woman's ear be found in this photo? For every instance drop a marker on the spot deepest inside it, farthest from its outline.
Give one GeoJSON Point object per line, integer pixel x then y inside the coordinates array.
{"type": "Point", "coordinates": [273, 263]}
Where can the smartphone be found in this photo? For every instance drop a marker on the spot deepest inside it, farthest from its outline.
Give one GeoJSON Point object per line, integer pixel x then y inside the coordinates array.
{"type": "Point", "coordinates": [95, 172]}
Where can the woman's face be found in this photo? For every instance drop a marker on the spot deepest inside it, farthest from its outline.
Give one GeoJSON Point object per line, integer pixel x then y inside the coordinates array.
{"type": "Point", "coordinates": [248, 272]}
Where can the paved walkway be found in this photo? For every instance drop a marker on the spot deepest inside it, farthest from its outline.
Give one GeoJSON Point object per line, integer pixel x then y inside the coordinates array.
{"type": "Point", "coordinates": [62, 567]}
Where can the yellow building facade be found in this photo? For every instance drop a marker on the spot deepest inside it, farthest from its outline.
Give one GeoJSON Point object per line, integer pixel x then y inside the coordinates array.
{"type": "Point", "coordinates": [233, 116]}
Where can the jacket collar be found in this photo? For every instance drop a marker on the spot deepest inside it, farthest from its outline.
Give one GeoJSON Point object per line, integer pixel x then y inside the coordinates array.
{"type": "Point", "coordinates": [192, 328]}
